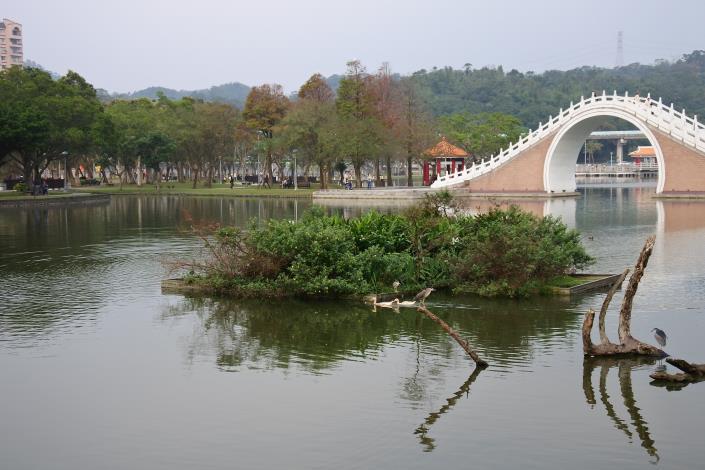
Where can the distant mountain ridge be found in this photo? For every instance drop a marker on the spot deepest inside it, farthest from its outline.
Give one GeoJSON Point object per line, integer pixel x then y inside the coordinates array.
{"type": "Point", "coordinates": [233, 93]}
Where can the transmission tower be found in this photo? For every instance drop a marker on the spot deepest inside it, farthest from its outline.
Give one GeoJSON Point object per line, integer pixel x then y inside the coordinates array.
{"type": "Point", "coordinates": [619, 61]}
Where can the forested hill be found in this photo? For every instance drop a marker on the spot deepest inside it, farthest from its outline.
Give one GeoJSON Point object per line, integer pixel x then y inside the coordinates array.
{"type": "Point", "coordinates": [533, 97]}
{"type": "Point", "coordinates": [232, 93]}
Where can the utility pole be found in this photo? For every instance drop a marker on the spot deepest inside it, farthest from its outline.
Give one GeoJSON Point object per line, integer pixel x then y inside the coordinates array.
{"type": "Point", "coordinates": [619, 61]}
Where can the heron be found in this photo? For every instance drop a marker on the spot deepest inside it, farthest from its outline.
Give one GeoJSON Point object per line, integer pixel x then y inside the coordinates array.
{"type": "Point", "coordinates": [660, 336]}
{"type": "Point", "coordinates": [396, 285]}
{"type": "Point", "coordinates": [421, 296]}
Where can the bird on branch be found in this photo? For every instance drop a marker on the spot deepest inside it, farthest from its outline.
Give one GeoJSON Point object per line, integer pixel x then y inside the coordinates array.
{"type": "Point", "coordinates": [421, 296]}
{"type": "Point", "coordinates": [660, 336]}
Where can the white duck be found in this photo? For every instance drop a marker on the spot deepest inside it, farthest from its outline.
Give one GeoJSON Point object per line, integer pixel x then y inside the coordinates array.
{"type": "Point", "coordinates": [391, 304]}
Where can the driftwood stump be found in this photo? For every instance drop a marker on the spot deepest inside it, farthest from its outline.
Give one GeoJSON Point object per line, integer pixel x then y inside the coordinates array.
{"type": "Point", "coordinates": [454, 334]}
{"type": "Point", "coordinates": [691, 372]}
{"type": "Point", "coordinates": [627, 343]}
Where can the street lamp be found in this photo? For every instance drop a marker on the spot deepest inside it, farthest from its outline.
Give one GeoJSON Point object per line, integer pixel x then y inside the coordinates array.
{"type": "Point", "coordinates": [66, 170]}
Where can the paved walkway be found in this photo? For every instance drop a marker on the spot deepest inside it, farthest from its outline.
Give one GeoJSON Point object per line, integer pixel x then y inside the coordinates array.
{"type": "Point", "coordinates": [405, 193]}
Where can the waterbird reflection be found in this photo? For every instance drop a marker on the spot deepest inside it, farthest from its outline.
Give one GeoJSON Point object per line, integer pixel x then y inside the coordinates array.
{"type": "Point", "coordinates": [624, 366]}
{"type": "Point", "coordinates": [422, 430]}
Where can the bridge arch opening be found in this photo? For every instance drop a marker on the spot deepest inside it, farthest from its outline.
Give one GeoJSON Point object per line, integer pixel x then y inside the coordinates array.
{"type": "Point", "coordinates": [563, 153]}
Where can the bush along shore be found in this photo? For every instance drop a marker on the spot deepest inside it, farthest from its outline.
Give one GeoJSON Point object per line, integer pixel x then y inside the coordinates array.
{"type": "Point", "coordinates": [503, 252]}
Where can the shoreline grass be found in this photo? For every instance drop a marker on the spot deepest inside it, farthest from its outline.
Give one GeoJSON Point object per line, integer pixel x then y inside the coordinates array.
{"type": "Point", "coordinates": [18, 196]}
{"type": "Point", "coordinates": [186, 189]}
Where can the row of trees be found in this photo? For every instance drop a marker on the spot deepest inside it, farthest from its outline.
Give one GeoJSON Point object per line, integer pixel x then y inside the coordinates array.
{"type": "Point", "coordinates": [372, 121]}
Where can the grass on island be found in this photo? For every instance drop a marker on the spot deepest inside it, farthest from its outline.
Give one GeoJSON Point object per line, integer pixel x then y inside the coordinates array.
{"type": "Point", "coordinates": [568, 281]}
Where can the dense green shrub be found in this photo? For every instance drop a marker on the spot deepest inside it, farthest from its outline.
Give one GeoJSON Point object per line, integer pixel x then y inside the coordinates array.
{"type": "Point", "coordinates": [20, 187]}
{"type": "Point", "coordinates": [502, 252]}
{"type": "Point", "coordinates": [512, 252]}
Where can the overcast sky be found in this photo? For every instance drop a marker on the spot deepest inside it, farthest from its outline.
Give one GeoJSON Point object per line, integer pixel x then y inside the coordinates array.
{"type": "Point", "coordinates": [125, 45]}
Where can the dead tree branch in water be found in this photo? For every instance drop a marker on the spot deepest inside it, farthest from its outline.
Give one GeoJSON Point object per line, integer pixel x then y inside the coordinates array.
{"type": "Point", "coordinates": [691, 372]}
{"type": "Point", "coordinates": [454, 334]}
{"type": "Point", "coordinates": [628, 344]}
{"type": "Point", "coordinates": [422, 430]}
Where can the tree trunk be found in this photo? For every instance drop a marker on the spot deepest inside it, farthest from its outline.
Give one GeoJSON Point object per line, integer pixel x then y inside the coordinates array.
{"type": "Point", "coordinates": [378, 175]}
{"type": "Point", "coordinates": [454, 334]}
{"type": "Point", "coordinates": [322, 176]}
{"type": "Point", "coordinates": [305, 175]}
{"type": "Point", "coordinates": [628, 344]}
{"type": "Point", "coordinates": [195, 178]}
{"type": "Point", "coordinates": [388, 162]}
{"type": "Point", "coordinates": [209, 176]}
{"type": "Point", "coordinates": [409, 176]}
{"type": "Point", "coordinates": [268, 163]}
{"type": "Point", "coordinates": [358, 175]}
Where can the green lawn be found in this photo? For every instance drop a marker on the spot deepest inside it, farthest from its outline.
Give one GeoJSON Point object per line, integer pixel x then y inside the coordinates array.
{"type": "Point", "coordinates": [186, 189]}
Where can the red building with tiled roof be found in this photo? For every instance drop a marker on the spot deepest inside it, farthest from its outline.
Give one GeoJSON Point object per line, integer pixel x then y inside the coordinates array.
{"type": "Point", "coordinates": [446, 156]}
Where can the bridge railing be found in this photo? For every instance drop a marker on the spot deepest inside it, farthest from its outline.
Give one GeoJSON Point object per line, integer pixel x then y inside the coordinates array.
{"type": "Point", "coordinates": [675, 123]}
{"type": "Point", "coordinates": [606, 168]}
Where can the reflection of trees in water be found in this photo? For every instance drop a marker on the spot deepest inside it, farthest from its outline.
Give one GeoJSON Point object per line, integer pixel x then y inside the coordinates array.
{"type": "Point", "coordinates": [320, 334]}
{"type": "Point", "coordinates": [317, 335]}
{"type": "Point", "coordinates": [624, 374]}
{"type": "Point", "coordinates": [429, 443]}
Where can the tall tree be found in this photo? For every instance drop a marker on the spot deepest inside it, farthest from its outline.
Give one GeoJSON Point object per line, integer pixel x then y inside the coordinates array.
{"type": "Point", "coordinates": [265, 106]}
{"type": "Point", "coordinates": [385, 95]}
{"type": "Point", "coordinates": [359, 129]}
{"type": "Point", "coordinates": [316, 89]}
{"type": "Point", "coordinates": [415, 127]}
{"type": "Point", "coordinates": [42, 120]}
{"type": "Point", "coordinates": [308, 124]}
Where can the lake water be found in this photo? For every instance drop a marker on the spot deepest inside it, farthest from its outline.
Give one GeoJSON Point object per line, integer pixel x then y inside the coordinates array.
{"type": "Point", "coordinates": [100, 370]}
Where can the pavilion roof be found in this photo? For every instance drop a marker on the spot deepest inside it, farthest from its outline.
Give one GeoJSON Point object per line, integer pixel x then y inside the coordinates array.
{"type": "Point", "coordinates": [445, 149]}
{"type": "Point", "coordinates": [643, 151]}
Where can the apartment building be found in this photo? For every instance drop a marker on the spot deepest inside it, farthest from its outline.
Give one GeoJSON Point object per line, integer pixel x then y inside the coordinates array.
{"type": "Point", "coordinates": [10, 44]}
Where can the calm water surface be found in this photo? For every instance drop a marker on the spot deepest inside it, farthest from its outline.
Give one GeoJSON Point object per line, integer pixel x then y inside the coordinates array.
{"type": "Point", "coordinates": [100, 370]}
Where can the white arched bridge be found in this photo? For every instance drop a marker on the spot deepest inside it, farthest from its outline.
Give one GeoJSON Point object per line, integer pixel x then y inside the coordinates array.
{"type": "Point", "coordinates": [543, 161]}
